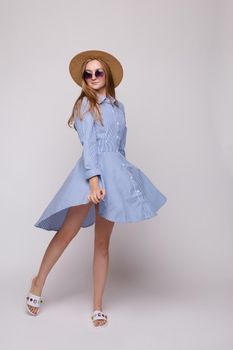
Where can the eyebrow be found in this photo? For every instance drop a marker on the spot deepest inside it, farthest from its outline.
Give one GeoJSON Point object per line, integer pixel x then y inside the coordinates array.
{"type": "Point", "coordinates": [91, 70]}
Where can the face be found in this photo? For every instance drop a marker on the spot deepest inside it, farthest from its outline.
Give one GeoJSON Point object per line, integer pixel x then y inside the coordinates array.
{"type": "Point", "coordinates": [97, 83]}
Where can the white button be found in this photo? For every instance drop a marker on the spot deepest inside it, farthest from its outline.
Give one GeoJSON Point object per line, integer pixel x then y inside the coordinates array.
{"type": "Point", "coordinates": [138, 191]}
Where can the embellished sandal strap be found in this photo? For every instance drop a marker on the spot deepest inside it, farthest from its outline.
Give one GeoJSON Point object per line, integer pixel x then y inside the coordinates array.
{"type": "Point", "coordinates": [98, 315]}
{"type": "Point", "coordinates": [34, 300]}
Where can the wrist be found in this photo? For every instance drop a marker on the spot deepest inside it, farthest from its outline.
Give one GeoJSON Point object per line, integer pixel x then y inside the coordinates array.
{"type": "Point", "coordinates": [94, 182]}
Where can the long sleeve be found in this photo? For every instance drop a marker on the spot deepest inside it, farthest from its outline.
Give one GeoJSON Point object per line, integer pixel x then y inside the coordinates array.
{"type": "Point", "coordinates": [123, 142]}
{"type": "Point", "coordinates": [124, 134]}
{"type": "Point", "coordinates": [87, 136]}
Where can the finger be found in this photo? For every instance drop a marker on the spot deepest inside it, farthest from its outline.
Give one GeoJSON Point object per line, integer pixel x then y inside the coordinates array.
{"type": "Point", "coordinates": [103, 193]}
{"type": "Point", "coordinates": [94, 199]}
{"type": "Point", "coordinates": [99, 195]}
{"type": "Point", "coordinates": [90, 198]}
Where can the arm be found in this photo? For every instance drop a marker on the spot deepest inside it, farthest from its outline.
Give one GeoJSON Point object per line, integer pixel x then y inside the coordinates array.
{"type": "Point", "coordinates": [123, 142]}
{"type": "Point", "coordinates": [87, 135]}
{"type": "Point", "coordinates": [123, 138]}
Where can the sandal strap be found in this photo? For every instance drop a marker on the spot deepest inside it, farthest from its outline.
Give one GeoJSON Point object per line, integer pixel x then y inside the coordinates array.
{"type": "Point", "coordinates": [34, 300]}
{"type": "Point", "coordinates": [98, 315]}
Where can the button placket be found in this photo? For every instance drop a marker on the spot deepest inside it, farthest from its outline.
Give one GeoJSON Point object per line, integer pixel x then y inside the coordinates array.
{"type": "Point", "coordinates": [118, 129]}
{"type": "Point", "coordinates": [139, 193]}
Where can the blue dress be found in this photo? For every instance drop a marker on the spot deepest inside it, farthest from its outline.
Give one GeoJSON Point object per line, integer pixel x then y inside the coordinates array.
{"type": "Point", "coordinates": [130, 195]}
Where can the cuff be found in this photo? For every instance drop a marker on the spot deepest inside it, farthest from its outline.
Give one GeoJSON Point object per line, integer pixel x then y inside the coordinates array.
{"type": "Point", "coordinates": [91, 173]}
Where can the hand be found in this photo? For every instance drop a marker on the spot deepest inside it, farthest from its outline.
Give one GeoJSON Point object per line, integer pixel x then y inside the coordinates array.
{"type": "Point", "coordinates": [96, 195]}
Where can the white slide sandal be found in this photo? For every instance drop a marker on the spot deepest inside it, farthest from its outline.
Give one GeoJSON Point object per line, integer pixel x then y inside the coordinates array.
{"type": "Point", "coordinates": [99, 315]}
{"type": "Point", "coordinates": [33, 300]}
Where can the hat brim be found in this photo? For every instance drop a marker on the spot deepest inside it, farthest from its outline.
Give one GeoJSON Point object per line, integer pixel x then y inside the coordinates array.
{"type": "Point", "coordinates": [78, 60]}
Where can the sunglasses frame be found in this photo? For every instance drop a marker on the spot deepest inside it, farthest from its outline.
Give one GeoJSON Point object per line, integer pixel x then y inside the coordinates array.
{"type": "Point", "coordinates": [90, 74]}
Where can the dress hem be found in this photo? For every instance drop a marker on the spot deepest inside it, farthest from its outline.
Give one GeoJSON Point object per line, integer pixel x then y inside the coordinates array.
{"type": "Point", "coordinates": [39, 223]}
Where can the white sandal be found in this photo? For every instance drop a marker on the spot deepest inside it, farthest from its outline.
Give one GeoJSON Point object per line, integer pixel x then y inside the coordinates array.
{"type": "Point", "coordinates": [99, 315]}
{"type": "Point", "coordinates": [33, 300]}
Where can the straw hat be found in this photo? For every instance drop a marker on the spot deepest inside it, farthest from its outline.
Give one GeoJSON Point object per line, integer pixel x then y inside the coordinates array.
{"type": "Point", "coordinates": [113, 63]}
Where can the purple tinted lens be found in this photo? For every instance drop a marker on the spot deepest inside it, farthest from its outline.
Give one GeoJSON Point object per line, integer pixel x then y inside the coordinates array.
{"type": "Point", "coordinates": [87, 75]}
{"type": "Point", "coordinates": [98, 74]}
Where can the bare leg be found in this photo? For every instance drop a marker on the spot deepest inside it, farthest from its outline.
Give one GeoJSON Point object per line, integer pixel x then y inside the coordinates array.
{"type": "Point", "coordinates": [57, 245]}
{"type": "Point", "coordinates": [103, 230]}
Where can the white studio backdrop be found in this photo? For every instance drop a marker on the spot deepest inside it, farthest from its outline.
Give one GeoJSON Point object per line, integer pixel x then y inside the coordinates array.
{"type": "Point", "coordinates": [177, 87]}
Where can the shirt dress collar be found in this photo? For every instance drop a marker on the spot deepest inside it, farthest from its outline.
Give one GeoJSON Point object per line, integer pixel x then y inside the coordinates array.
{"type": "Point", "coordinates": [109, 99]}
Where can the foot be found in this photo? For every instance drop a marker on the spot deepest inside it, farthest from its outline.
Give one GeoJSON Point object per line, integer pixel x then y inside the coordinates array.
{"type": "Point", "coordinates": [99, 322]}
{"type": "Point", "coordinates": [35, 289]}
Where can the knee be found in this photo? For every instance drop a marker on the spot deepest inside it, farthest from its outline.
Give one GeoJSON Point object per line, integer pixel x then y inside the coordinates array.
{"type": "Point", "coordinates": [64, 236]}
{"type": "Point", "coordinates": [101, 247]}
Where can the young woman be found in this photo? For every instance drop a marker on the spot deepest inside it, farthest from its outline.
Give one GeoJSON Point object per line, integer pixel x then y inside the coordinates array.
{"type": "Point", "coordinates": [103, 187]}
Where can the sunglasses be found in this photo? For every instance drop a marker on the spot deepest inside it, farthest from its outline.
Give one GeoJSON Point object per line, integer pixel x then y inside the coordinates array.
{"type": "Point", "coordinates": [98, 74]}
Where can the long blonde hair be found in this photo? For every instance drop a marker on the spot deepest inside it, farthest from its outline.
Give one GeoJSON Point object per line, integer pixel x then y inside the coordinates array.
{"type": "Point", "coordinates": [91, 94]}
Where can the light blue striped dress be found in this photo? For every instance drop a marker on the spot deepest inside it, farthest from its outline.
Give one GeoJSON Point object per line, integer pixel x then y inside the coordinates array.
{"type": "Point", "coordinates": [130, 195]}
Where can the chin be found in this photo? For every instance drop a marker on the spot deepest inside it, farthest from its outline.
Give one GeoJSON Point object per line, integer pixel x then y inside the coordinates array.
{"type": "Point", "coordinates": [97, 87]}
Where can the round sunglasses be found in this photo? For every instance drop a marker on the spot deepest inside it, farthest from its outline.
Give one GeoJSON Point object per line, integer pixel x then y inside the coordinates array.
{"type": "Point", "coordinates": [99, 73]}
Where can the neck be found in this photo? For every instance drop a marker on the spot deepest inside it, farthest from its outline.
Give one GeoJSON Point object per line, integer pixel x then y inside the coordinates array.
{"type": "Point", "coordinates": [101, 92]}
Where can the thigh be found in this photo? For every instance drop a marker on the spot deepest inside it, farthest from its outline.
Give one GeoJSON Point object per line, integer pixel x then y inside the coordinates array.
{"type": "Point", "coordinates": [103, 227]}
{"type": "Point", "coordinates": [73, 220]}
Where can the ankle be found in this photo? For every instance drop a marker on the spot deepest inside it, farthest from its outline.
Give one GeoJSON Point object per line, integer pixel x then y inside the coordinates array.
{"type": "Point", "coordinates": [38, 282]}
{"type": "Point", "coordinates": [97, 308]}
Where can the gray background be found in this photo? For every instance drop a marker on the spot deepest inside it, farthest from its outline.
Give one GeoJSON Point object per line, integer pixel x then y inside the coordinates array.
{"type": "Point", "coordinates": [170, 278]}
